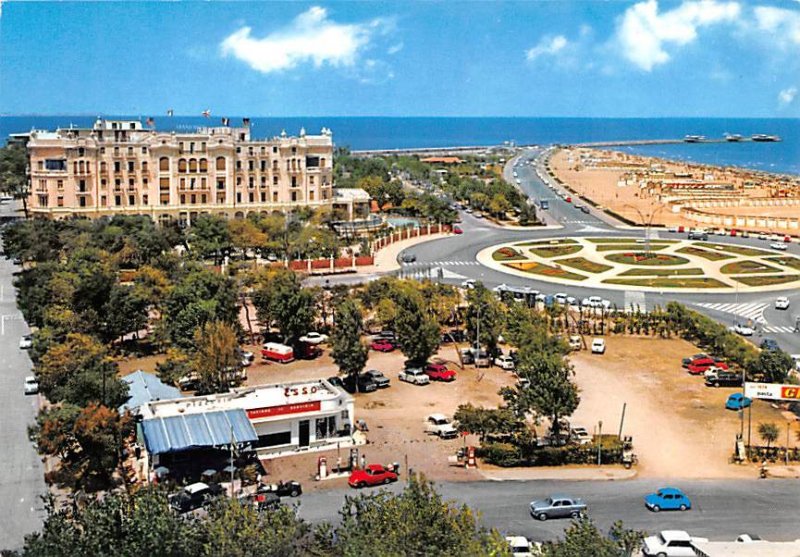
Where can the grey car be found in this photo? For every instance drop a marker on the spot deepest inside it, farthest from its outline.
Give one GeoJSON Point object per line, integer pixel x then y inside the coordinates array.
{"type": "Point", "coordinates": [558, 506]}
{"type": "Point", "coordinates": [380, 380]}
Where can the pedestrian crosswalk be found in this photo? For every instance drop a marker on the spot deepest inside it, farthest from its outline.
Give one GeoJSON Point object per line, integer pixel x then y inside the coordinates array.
{"type": "Point", "coordinates": [752, 311]}
{"type": "Point", "coordinates": [579, 222]}
{"type": "Point", "coordinates": [777, 329]}
{"type": "Point", "coordinates": [440, 264]}
{"type": "Point", "coordinates": [429, 273]}
{"type": "Point", "coordinates": [635, 301]}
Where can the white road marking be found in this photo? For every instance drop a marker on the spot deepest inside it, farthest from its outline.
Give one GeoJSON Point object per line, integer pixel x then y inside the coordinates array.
{"type": "Point", "coordinates": [635, 300]}
{"type": "Point", "coordinates": [748, 311]}
{"type": "Point", "coordinates": [778, 329]}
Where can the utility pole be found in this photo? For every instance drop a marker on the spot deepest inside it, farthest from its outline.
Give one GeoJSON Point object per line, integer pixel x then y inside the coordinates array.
{"type": "Point", "coordinates": [599, 441]}
{"type": "Point", "coordinates": [622, 419]}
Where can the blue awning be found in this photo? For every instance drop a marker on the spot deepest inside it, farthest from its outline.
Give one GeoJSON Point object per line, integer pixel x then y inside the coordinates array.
{"type": "Point", "coordinates": [197, 430]}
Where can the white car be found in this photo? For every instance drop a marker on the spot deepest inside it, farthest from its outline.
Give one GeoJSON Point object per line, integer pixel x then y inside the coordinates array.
{"type": "Point", "coordinates": [581, 435]}
{"type": "Point", "coordinates": [670, 543]}
{"type": "Point", "coordinates": [743, 330]}
{"type": "Point", "coordinates": [575, 342]}
{"type": "Point", "coordinates": [782, 303]}
{"type": "Point", "coordinates": [780, 246]}
{"type": "Point", "coordinates": [469, 284]}
{"type": "Point", "coordinates": [314, 338]}
{"type": "Point", "coordinates": [26, 342]}
{"type": "Point", "coordinates": [415, 376]}
{"type": "Point", "coordinates": [520, 546]}
{"type": "Point", "coordinates": [560, 298]}
{"type": "Point", "coordinates": [440, 425]}
{"type": "Point", "coordinates": [605, 304]}
{"type": "Point", "coordinates": [585, 303]}
{"type": "Point", "coordinates": [504, 362]}
{"type": "Point", "coordinates": [31, 385]}
{"type": "Point", "coordinates": [595, 301]}
{"type": "Point", "coordinates": [598, 346]}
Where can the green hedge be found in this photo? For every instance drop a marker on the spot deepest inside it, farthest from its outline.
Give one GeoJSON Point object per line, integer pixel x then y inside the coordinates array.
{"type": "Point", "coordinates": [507, 455]}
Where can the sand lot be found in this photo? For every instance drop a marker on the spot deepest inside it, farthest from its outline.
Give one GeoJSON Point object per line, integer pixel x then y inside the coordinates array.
{"type": "Point", "coordinates": [680, 427]}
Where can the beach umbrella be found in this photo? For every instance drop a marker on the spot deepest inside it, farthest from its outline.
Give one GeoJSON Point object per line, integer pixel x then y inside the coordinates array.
{"type": "Point", "coordinates": [161, 472]}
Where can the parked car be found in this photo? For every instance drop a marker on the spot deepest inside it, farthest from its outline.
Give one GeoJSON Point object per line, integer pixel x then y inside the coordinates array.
{"type": "Point", "coordinates": [686, 361]}
{"type": "Point", "coordinates": [457, 230]}
{"type": "Point", "coordinates": [737, 401]}
{"type": "Point", "coordinates": [382, 345]}
{"type": "Point", "coordinates": [194, 496]}
{"type": "Point", "coordinates": [291, 488]}
{"type": "Point", "coordinates": [408, 258]}
{"type": "Point", "coordinates": [365, 384]}
{"type": "Point", "coordinates": [581, 435]}
{"type": "Point", "coordinates": [456, 335]}
{"type": "Point", "coordinates": [667, 499]}
{"type": "Point", "coordinates": [701, 365]}
{"type": "Point", "coordinates": [26, 342]}
{"type": "Point", "coordinates": [770, 344]}
{"type": "Point", "coordinates": [373, 474]}
{"type": "Point", "coordinates": [467, 356]}
{"type": "Point", "coordinates": [468, 284]}
{"type": "Point", "coordinates": [558, 506]}
{"type": "Point", "coordinates": [598, 346]}
{"type": "Point", "coordinates": [439, 372]}
{"type": "Point", "coordinates": [31, 385]}
{"type": "Point", "coordinates": [575, 342]}
{"type": "Point", "coordinates": [698, 235]}
{"type": "Point", "coordinates": [595, 301]}
{"type": "Point", "coordinates": [743, 330]}
{"type": "Point", "coordinates": [725, 379]}
{"type": "Point", "coordinates": [584, 209]}
{"type": "Point", "coordinates": [780, 246]}
{"type": "Point", "coordinates": [560, 298]}
{"type": "Point", "coordinates": [277, 352]}
{"type": "Point", "coordinates": [439, 424]}
{"type": "Point", "coordinates": [670, 543]}
{"type": "Point", "coordinates": [261, 501]}
{"type": "Point", "coordinates": [314, 338]}
{"type": "Point", "coordinates": [505, 362]}
{"type": "Point", "coordinates": [415, 376]}
{"type": "Point", "coordinates": [782, 303]}
{"type": "Point", "coordinates": [380, 380]}
{"type": "Point", "coordinates": [520, 546]}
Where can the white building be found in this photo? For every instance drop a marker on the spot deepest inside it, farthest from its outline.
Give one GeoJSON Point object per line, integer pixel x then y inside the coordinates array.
{"type": "Point", "coordinates": [273, 420]}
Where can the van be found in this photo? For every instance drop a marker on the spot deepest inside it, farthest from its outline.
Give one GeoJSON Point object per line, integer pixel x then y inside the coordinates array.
{"type": "Point", "coordinates": [277, 352]}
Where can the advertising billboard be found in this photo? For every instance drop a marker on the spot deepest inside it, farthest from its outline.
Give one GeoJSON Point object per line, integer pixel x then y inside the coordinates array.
{"type": "Point", "coordinates": [772, 391]}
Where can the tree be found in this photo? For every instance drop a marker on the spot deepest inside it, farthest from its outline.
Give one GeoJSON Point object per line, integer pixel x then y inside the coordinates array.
{"type": "Point", "coordinates": [175, 366]}
{"type": "Point", "coordinates": [483, 422]}
{"type": "Point", "coordinates": [417, 331]}
{"type": "Point", "coordinates": [415, 522]}
{"type": "Point", "coordinates": [126, 312]}
{"type": "Point", "coordinates": [209, 237]}
{"type": "Point", "coordinates": [79, 371]}
{"type": "Point", "coordinates": [13, 173]}
{"type": "Point", "coordinates": [280, 299]}
{"type": "Point", "coordinates": [771, 366]}
{"type": "Point", "coordinates": [768, 432]}
{"type": "Point", "coordinates": [216, 360]}
{"type": "Point", "coordinates": [483, 306]}
{"type": "Point", "coordinates": [499, 205]}
{"type": "Point", "coordinates": [245, 235]}
{"type": "Point", "coordinates": [583, 539]}
{"type": "Point", "coordinates": [550, 393]}
{"type": "Point", "coordinates": [349, 353]}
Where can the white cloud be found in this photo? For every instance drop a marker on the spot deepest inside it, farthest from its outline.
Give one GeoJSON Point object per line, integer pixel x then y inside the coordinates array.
{"type": "Point", "coordinates": [395, 48]}
{"type": "Point", "coordinates": [310, 37]}
{"type": "Point", "coordinates": [787, 95]}
{"type": "Point", "coordinates": [546, 46]}
{"type": "Point", "coordinates": [783, 24]}
{"type": "Point", "coordinates": [644, 34]}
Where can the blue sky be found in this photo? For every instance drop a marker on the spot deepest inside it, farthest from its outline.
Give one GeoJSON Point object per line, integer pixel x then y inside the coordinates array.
{"type": "Point", "coordinates": [649, 58]}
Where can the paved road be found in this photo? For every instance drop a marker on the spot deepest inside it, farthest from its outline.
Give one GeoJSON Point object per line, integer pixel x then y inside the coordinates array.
{"type": "Point", "coordinates": [456, 257]}
{"type": "Point", "coordinates": [722, 509]}
{"type": "Point", "coordinates": [21, 472]}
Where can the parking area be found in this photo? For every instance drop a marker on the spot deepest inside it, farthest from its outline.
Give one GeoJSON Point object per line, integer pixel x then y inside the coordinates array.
{"type": "Point", "coordinates": [680, 427]}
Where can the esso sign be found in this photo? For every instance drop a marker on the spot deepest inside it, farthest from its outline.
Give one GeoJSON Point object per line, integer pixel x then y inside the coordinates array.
{"type": "Point", "coordinates": [299, 391]}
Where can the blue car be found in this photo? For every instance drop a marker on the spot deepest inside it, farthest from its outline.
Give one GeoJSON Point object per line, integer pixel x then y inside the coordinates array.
{"type": "Point", "coordinates": [737, 401]}
{"type": "Point", "coordinates": [667, 499]}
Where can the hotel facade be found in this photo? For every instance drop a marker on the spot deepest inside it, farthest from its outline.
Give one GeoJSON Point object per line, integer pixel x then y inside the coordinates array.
{"type": "Point", "coordinates": [120, 167]}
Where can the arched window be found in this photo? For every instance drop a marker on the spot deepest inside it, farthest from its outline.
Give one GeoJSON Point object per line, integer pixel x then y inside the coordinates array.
{"type": "Point", "coordinates": [203, 165]}
{"type": "Point", "coordinates": [163, 164]}
{"type": "Point", "coordinates": [220, 163]}
{"type": "Point", "coordinates": [144, 166]}
{"type": "Point", "coordinates": [192, 165]}
{"type": "Point", "coordinates": [182, 165]}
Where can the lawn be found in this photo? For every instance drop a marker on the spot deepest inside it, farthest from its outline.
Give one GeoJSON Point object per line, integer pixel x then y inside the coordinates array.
{"type": "Point", "coordinates": [767, 280]}
{"type": "Point", "coordinates": [688, 282]}
{"type": "Point", "coordinates": [704, 253]}
{"type": "Point", "coordinates": [692, 271]}
{"type": "Point", "coordinates": [739, 250]}
{"type": "Point", "coordinates": [641, 258]}
{"type": "Point", "coordinates": [508, 254]}
{"type": "Point", "coordinates": [747, 266]}
{"type": "Point", "coordinates": [583, 264]}
{"type": "Point", "coordinates": [552, 242]}
{"type": "Point", "coordinates": [627, 241]}
{"type": "Point", "coordinates": [556, 251]}
{"type": "Point", "coordinates": [629, 247]}
{"type": "Point", "coordinates": [787, 261]}
{"type": "Point", "coordinates": [545, 270]}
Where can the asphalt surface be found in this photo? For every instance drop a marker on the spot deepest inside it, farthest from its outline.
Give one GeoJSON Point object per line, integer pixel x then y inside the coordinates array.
{"type": "Point", "coordinates": [455, 256]}
{"type": "Point", "coordinates": [721, 509]}
{"type": "Point", "coordinates": [21, 470]}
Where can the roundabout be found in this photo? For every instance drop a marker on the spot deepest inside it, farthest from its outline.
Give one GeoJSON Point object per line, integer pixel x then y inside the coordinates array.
{"type": "Point", "coordinates": [619, 263]}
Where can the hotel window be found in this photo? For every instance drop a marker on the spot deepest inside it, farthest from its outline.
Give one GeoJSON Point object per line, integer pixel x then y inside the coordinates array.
{"type": "Point", "coordinates": [294, 150]}
{"type": "Point", "coordinates": [252, 182]}
{"type": "Point", "coordinates": [81, 151]}
{"type": "Point", "coordinates": [294, 181]}
{"type": "Point", "coordinates": [193, 164]}
{"type": "Point", "coordinates": [117, 183]}
{"type": "Point", "coordinates": [250, 151]}
{"type": "Point", "coordinates": [220, 198]}
{"type": "Point", "coordinates": [144, 166]}
{"type": "Point", "coordinates": [238, 197]}
{"type": "Point", "coordinates": [144, 182]}
{"type": "Point", "coordinates": [182, 165]}
{"type": "Point", "coordinates": [60, 201]}
{"type": "Point", "coordinates": [274, 180]}
{"type": "Point", "coordinates": [163, 183]}
{"type": "Point", "coordinates": [263, 166]}
{"type": "Point", "coordinates": [263, 150]}
{"type": "Point", "coordinates": [238, 165]}
{"type": "Point", "coordinates": [82, 186]}
{"type": "Point", "coordinates": [263, 181]}
{"type": "Point", "coordinates": [294, 196]}
{"type": "Point", "coordinates": [274, 148]}
{"type": "Point", "coordinates": [144, 150]}
{"type": "Point", "coordinates": [203, 199]}
{"type": "Point", "coordinates": [60, 184]}
{"type": "Point", "coordinates": [117, 166]}
{"type": "Point", "coordinates": [116, 151]}
{"type": "Point", "coordinates": [103, 201]}
{"type": "Point", "coordinates": [55, 164]}
{"type": "Point", "coordinates": [131, 183]}
{"type": "Point", "coordinates": [40, 165]}
{"type": "Point", "coordinates": [130, 151]}
{"type": "Point", "coordinates": [252, 197]}
{"type": "Point", "coordinates": [238, 180]}
{"type": "Point", "coordinates": [263, 197]}
{"type": "Point", "coordinates": [103, 183]}
{"type": "Point", "coordinates": [182, 183]}
{"type": "Point", "coordinates": [194, 199]}
{"type": "Point", "coordinates": [203, 183]}
{"type": "Point", "coordinates": [275, 166]}
{"type": "Point", "coordinates": [144, 199]}
{"type": "Point", "coordinates": [164, 198]}
{"type": "Point", "coordinates": [322, 163]}
{"type": "Point", "coordinates": [326, 427]}
{"type": "Point", "coordinates": [192, 183]}
{"type": "Point", "coordinates": [102, 150]}
{"type": "Point", "coordinates": [220, 184]}
{"type": "Point", "coordinates": [131, 200]}
{"type": "Point", "coordinates": [274, 197]}
{"type": "Point", "coordinates": [311, 180]}
{"type": "Point", "coordinates": [131, 167]}
{"type": "Point", "coordinates": [103, 167]}
{"type": "Point", "coordinates": [203, 165]}
{"type": "Point", "coordinates": [42, 201]}
{"type": "Point", "coordinates": [238, 149]}
{"type": "Point", "coordinates": [82, 202]}
{"type": "Point", "coordinates": [220, 163]}
{"type": "Point", "coordinates": [183, 199]}
{"type": "Point", "coordinates": [163, 163]}
{"type": "Point", "coordinates": [251, 165]}
{"type": "Point", "coordinates": [311, 195]}
{"type": "Point", "coordinates": [117, 200]}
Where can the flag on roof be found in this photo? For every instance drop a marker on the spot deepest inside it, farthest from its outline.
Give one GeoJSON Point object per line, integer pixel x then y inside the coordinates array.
{"type": "Point", "coordinates": [226, 121]}
{"type": "Point", "coordinates": [207, 113]}
{"type": "Point", "coordinates": [150, 122]}
{"type": "Point", "coordinates": [170, 112]}
{"type": "Point", "coordinates": [245, 121]}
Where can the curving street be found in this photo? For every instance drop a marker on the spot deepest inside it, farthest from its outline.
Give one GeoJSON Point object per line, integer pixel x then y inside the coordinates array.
{"type": "Point", "coordinates": [453, 260]}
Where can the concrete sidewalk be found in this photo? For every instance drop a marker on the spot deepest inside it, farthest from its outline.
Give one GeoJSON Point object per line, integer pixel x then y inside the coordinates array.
{"type": "Point", "coordinates": [559, 473]}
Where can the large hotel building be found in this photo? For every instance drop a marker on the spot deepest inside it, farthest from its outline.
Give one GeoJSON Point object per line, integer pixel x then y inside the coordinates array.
{"type": "Point", "coordinates": [120, 167]}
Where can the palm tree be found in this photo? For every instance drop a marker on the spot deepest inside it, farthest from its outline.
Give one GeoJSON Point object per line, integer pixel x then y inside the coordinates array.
{"type": "Point", "coordinates": [768, 432]}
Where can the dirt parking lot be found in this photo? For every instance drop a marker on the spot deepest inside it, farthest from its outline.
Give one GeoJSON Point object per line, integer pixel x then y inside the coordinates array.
{"type": "Point", "coordinates": [680, 427]}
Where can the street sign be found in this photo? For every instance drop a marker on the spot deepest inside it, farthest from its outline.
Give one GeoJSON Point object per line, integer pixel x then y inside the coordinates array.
{"type": "Point", "coordinates": [772, 391]}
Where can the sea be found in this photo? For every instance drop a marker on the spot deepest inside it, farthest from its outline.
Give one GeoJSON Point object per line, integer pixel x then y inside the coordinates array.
{"type": "Point", "coordinates": [360, 133]}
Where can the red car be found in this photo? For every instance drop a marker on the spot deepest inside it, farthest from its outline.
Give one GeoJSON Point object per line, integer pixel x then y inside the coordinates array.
{"type": "Point", "coordinates": [382, 346]}
{"type": "Point", "coordinates": [373, 474]}
{"type": "Point", "coordinates": [700, 365]}
{"type": "Point", "coordinates": [457, 230]}
{"type": "Point", "coordinates": [439, 372]}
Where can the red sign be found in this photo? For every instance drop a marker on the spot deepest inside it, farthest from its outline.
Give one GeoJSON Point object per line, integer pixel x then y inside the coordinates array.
{"type": "Point", "coordinates": [299, 408]}
{"type": "Point", "coordinates": [790, 392]}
